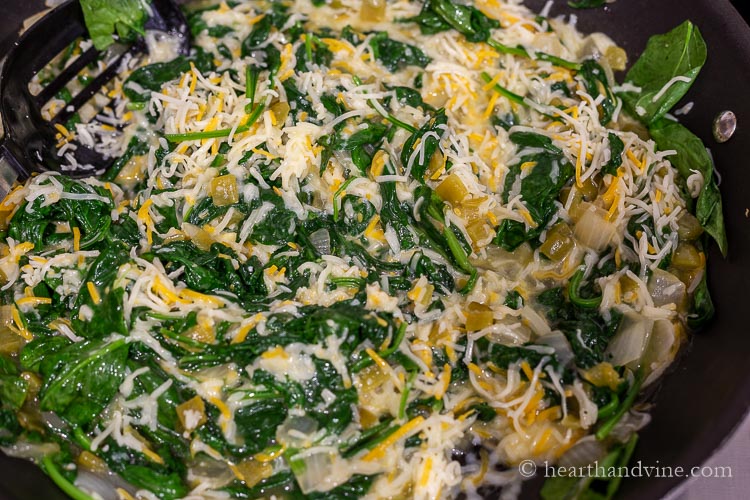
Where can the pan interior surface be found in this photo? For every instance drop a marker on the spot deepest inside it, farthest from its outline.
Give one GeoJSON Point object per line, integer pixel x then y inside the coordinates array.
{"type": "Point", "coordinates": [708, 393]}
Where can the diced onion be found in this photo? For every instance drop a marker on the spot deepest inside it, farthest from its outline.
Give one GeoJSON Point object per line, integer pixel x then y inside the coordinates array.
{"type": "Point", "coordinates": [10, 341]}
{"type": "Point", "coordinates": [587, 410]}
{"type": "Point", "coordinates": [296, 431]}
{"type": "Point", "coordinates": [209, 470]}
{"type": "Point", "coordinates": [96, 485]}
{"type": "Point", "coordinates": [254, 471]}
{"type": "Point", "coordinates": [319, 469]}
{"type": "Point", "coordinates": [560, 344]}
{"type": "Point", "coordinates": [34, 451]}
{"type": "Point", "coordinates": [224, 190]}
{"type": "Point", "coordinates": [321, 240]}
{"type": "Point", "coordinates": [593, 229]}
{"type": "Point", "coordinates": [584, 452]}
{"type": "Point", "coordinates": [452, 189]}
{"type": "Point", "coordinates": [660, 351]}
{"type": "Point", "coordinates": [628, 344]}
{"type": "Point", "coordinates": [536, 321]}
{"type": "Point", "coordinates": [666, 288]}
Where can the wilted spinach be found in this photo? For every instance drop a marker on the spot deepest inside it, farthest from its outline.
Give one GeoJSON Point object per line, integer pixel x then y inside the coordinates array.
{"type": "Point", "coordinates": [396, 55]}
{"type": "Point", "coordinates": [422, 145]}
{"type": "Point", "coordinates": [82, 378]}
{"type": "Point", "coordinates": [692, 156]}
{"type": "Point", "coordinates": [442, 15]}
{"type": "Point", "coordinates": [539, 189]}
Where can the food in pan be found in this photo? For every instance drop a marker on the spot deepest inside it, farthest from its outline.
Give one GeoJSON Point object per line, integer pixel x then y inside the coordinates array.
{"type": "Point", "coordinates": [356, 249]}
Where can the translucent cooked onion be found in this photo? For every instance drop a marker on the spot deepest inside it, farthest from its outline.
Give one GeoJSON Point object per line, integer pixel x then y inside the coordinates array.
{"type": "Point", "coordinates": [631, 339]}
{"type": "Point", "coordinates": [660, 351]}
{"type": "Point", "coordinates": [631, 422]}
{"type": "Point", "coordinates": [666, 288]}
{"type": "Point", "coordinates": [537, 323]}
{"type": "Point", "coordinates": [560, 344]}
{"type": "Point", "coordinates": [593, 229]}
{"type": "Point", "coordinates": [321, 240]}
{"type": "Point", "coordinates": [96, 485]}
{"type": "Point", "coordinates": [319, 469]}
{"type": "Point", "coordinates": [208, 470]}
{"type": "Point", "coordinates": [506, 264]}
{"type": "Point", "coordinates": [296, 431]}
{"type": "Point", "coordinates": [587, 451]}
{"type": "Point", "coordinates": [34, 451]}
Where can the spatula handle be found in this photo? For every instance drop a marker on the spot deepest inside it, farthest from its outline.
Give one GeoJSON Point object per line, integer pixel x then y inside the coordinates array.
{"type": "Point", "coordinates": [8, 170]}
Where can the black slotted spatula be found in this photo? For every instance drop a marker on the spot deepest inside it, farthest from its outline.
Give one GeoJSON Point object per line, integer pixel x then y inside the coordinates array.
{"type": "Point", "coordinates": [30, 141]}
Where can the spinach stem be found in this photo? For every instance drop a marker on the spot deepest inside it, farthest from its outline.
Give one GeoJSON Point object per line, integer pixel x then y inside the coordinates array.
{"type": "Point", "coordinates": [607, 426]}
{"type": "Point", "coordinates": [251, 85]}
{"type": "Point", "coordinates": [221, 133]}
{"type": "Point", "coordinates": [370, 438]}
{"type": "Point", "coordinates": [607, 410]}
{"type": "Point", "coordinates": [542, 56]}
{"type": "Point", "coordinates": [625, 456]}
{"type": "Point", "coordinates": [395, 121]}
{"type": "Point", "coordinates": [348, 282]}
{"type": "Point", "coordinates": [399, 123]}
{"type": "Point", "coordinates": [405, 396]}
{"type": "Point", "coordinates": [336, 196]}
{"type": "Point", "coordinates": [51, 469]}
{"type": "Point", "coordinates": [308, 47]}
{"type": "Point", "coordinates": [365, 362]}
{"type": "Point", "coordinates": [81, 438]}
{"type": "Point", "coordinates": [511, 96]}
{"type": "Point", "coordinates": [573, 289]}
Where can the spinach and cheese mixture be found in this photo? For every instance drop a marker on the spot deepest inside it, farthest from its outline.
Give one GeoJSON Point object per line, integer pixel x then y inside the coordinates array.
{"type": "Point", "coordinates": [356, 248]}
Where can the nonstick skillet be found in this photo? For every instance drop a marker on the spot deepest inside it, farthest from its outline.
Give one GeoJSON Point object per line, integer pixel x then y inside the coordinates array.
{"type": "Point", "coordinates": [707, 394]}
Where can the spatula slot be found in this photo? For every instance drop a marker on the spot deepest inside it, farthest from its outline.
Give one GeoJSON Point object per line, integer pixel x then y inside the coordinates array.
{"type": "Point", "coordinates": [70, 71]}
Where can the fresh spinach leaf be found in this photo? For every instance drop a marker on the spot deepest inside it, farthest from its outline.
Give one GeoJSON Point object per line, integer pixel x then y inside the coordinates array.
{"type": "Point", "coordinates": [257, 423]}
{"type": "Point", "coordinates": [104, 18]}
{"type": "Point", "coordinates": [12, 387]}
{"type": "Point", "coordinates": [35, 222]}
{"type": "Point", "coordinates": [362, 144]}
{"type": "Point", "coordinates": [410, 97]}
{"type": "Point", "coordinates": [212, 271]}
{"type": "Point", "coordinates": [268, 57]}
{"type": "Point", "coordinates": [702, 309]}
{"type": "Point", "coordinates": [298, 100]}
{"type": "Point", "coordinates": [664, 72]}
{"type": "Point", "coordinates": [593, 487]}
{"type": "Point", "coordinates": [198, 25]}
{"type": "Point", "coordinates": [39, 349]}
